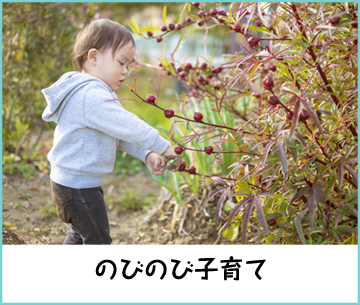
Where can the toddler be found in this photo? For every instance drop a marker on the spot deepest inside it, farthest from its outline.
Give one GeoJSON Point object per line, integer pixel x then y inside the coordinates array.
{"type": "Point", "coordinates": [90, 129]}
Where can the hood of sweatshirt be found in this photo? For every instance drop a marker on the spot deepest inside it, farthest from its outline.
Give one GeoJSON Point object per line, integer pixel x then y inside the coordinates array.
{"type": "Point", "coordinates": [59, 93]}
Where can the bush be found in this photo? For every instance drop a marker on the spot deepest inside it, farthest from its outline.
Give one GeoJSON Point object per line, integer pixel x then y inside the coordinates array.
{"type": "Point", "coordinates": [280, 116]}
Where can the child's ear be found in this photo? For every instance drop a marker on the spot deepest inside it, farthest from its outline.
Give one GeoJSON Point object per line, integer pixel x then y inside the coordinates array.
{"type": "Point", "coordinates": [92, 56]}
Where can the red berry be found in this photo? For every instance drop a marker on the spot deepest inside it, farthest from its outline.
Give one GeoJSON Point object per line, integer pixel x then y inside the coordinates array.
{"type": "Point", "coordinates": [194, 93]}
{"type": "Point", "coordinates": [198, 116]}
{"type": "Point", "coordinates": [258, 23]}
{"type": "Point", "coordinates": [271, 27]}
{"type": "Point", "coordinates": [196, 4]}
{"type": "Point", "coordinates": [218, 69]}
{"type": "Point", "coordinates": [265, 69]}
{"type": "Point", "coordinates": [237, 27]}
{"type": "Point", "coordinates": [179, 26]}
{"type": "Point", "coordinates": [221, 20]}
{"type": "Point", "coordinates": [179, 69]}
{"type": "Point", "coordinates": [201, 14]}
{"type": "Point", "coordinates": [160, 64]}
{"type": "Point", "coordinates": [257, 95]}
{"type": "Point", "coordinates": [334, 20]}
{"type": "Point", "coordinates": [178, 150]}
{"type": "Point", "coordinates": [217, 87]}
{"type": "Point", "coordinates": [181, 167]}
{"type": "Point", "coordinates": [271, 222]}
{"type": "Point", "coordinates": [182, 74]}
{"type": "Point", "coordinates": [203, 65]}
{"type": "Point", "coordinates": [171, 26]}
{"type": "Point", "coordinates": [273, 100]}
{"type": "Point", "coordinates": [272, 68]}
{"type": "Point", "coordinates": [196, 86]}
{"type": "Point", "coordinates": [280, 57]}
{"type": "Point", "coordinates": [268, 82]}
{"type": "Point", "coordinates": [253, 41]}
{"type": "Point", "coordinates": [169, 72]}
{"type": "Point", "coordinates": [206, 81]}
{"type": "Point", "coordinates": [222, 12]}
{"type": "Point", "coordinates": [209, 149]}
{"type": "Point", "coordinates": [163, 28]}
{"type": "Point", "coordinates": [159, 39]}
{"type": "Point", "coordinates": [191, 170]}
{"type": "Point", "coordinates": [150, 98]}
{"type": "Point", "coordinates": [188, 19]}
{"type": "Point", "coordinates": [201, 79]}
{"type": "Point", "coordinates": [213, 12]}
{"type": "Point", "coordinates": [150, 34]}
{"type": "Point", "coordinates": [188, 66]}
{"type": "Point", "coordinates": [289, 115]}
{"type": "Point", "coordinates": [304, 115]}
{"type": "Point", "coordinates": [200, 22]}
{"type": "Point", "coordinates": [169, 113]}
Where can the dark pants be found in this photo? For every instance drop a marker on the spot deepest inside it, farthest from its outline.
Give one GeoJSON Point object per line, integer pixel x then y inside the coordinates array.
{"type": "Point", "coordinates": [85, 210]}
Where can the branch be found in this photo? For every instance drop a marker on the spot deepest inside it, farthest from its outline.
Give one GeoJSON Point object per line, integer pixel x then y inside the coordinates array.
{"type": "Point", "coordinates": [322, 74]}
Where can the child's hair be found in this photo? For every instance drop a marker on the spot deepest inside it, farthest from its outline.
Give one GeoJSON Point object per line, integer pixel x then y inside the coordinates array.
{"type": "Point", "coordinates": [101, 34]}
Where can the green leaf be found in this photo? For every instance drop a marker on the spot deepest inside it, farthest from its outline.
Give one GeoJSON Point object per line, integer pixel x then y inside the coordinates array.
{"type": "Point", "coordinates": [134, 26]}
{"type": "Point", "coordinates": [330, 187]}
{"type": "Point", "coordinates": [180, 13]}
{"type": "Point", "coordinates": [347, 230]}
{"type": "Point", "coordinates": [177, 46]}
{"type": "Point", "coordinates": [164, 15]}
{"type": "Point", "coordinates": [227, 207]}
{"type": "Point", "coordinates": [170, 189]}
{"type": "Point", "coordinates": [262, 29]}
{"type": "Point", "coordinates": [282, 155]}
{"type": "Point", "coordinates": [298, 227]}
{"type": "Point", "coordinates": [232, 232]}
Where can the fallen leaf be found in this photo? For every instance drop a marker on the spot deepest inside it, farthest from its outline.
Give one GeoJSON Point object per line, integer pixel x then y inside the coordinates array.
{"type": "Point", "coordinates": [37, 230]}
{"type": "Point", "coordinates": [33, 188]}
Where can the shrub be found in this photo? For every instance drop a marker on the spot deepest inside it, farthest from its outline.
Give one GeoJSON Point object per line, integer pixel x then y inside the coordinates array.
{"type": "Point", "coordinates": [283, 117]}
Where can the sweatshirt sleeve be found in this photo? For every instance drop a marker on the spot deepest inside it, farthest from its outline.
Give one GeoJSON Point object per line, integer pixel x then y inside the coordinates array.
{"type": "Point", "coordinates": [111, 118]}
{"type": "Point", "coordinates": [133, 150]}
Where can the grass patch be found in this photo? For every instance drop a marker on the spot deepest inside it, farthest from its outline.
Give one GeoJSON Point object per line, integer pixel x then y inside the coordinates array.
{"type": "Point", "coordinates": [125, 165]}
{"type": "Point", "coordinates": [48, 211]}
{"type": "Point", "coordinates": [131, 201]}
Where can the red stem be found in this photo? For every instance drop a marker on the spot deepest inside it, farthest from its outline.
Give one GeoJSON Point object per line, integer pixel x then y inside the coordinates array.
{"type": "Point", "coordinates": [180, 117]}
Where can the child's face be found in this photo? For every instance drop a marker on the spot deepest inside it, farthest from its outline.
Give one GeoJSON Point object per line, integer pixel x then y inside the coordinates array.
{"type": "Point", "coordinates": [112, 71]}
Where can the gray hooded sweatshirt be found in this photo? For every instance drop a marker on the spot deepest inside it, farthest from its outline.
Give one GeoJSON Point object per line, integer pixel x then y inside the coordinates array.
{"type": "Point", "coordinates": [90, 128]}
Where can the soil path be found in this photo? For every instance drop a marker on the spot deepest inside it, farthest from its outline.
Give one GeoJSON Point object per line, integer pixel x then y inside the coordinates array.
{"type": "Point", "coordinates": [140, 212]}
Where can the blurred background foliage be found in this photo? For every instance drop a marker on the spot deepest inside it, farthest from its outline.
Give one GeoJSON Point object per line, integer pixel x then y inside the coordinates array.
{"type": "Point", "coordinates": [37, 45]}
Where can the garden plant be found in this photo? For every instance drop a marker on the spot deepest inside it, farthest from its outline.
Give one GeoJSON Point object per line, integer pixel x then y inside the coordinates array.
{"type": "Point", "coordinates": [273, 129]}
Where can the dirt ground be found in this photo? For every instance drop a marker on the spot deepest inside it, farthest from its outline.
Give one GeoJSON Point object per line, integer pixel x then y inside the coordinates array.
{"type": "Point", "coordinates": [29, 216]}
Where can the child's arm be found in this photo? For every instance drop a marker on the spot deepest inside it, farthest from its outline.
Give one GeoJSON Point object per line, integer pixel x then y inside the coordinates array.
{"type": "Point", "coordinates": [133, 150]}
{"type": "Point", "coordinates": [111, 118]}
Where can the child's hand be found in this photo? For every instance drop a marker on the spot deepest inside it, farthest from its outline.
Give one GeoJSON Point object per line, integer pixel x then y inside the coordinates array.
{"type": "Point", "coordinates": [171, 152]}
{"type": "Point", "coordinates": [156, 163]}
